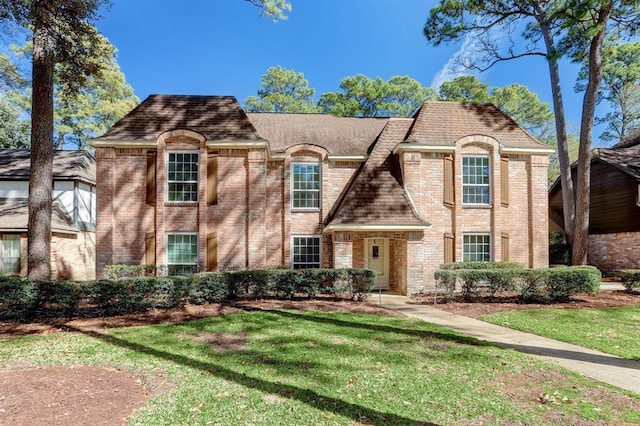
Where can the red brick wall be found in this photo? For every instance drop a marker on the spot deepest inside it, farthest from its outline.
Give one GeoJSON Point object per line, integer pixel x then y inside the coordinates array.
{"type": "Point", "coordinates": [613, 252]}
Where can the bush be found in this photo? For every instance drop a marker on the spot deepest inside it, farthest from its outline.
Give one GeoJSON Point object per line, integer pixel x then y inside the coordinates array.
{"type": "Point", "coordinates": [559, 249]}
{"type": "Point", "coordinates": [562, 282]}
{"type": "Point", "coordinates": [630, 279]}
{"type": "Point", "coordinates": [556, 284]}
{"type": "Point", "coordinates": [362, 282]}
{"type": "Point", "coordinates": [18, 298]}
{"type": "Point", "coordinates": [208, 288]}
{"type": "Point", "coordinates": [61, 297]}
{"type": "Point", "coordinates": [480, 265]}
{"type": "Point", "coordinates": [114, 272]}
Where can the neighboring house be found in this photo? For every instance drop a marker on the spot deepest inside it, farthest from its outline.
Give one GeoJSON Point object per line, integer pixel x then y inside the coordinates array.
{"type": "Point", "coordinates": [193, 183]}
{"type": "Point", "coordinates": [73, 218]}
{"type": "Point", "coordinates": [614, 213]}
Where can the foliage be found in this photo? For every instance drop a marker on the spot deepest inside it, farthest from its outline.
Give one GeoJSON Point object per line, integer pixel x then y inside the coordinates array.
{"type": "Point", "coordinates": [630, 279]}
{"type": "Point", "coordinates": [362, 96]}
{"type": "Point", "coordinates": [114, 272]}
{"type": "Point", "coordinates": [130, 290]}
{"type": "Point", "coordinates": [14, 131]}
{"type": "Point", "coordinates": [282, 90]}
{"type": "Point", "coordinates": [549, 30]}
{"type": "Point", "coordinates": [554, 284]}
{"type": "Point", "coordinates": [559, 250]}
{"type": "Point", "coordinates": [620, 89]}
{"type": "Point", "coordinates": [480, 265]}
{"type": "Point", "coordinates": [610, 330]}
{"type": "Point", "coordinates": [274, 9]}
{"type": "Point", "coordinates": [465, 88]}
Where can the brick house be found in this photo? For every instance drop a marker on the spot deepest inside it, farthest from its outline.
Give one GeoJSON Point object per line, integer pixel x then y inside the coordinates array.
{"type": "Point", "coordinates": [193, 182]}
{"type": "Point", "coordinates": [73, 218]}
{"type": "Point", "coordinates": [614, 212]}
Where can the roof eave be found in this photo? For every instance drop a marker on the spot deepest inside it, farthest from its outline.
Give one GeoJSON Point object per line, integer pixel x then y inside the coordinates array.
{"type": "Point", "coordinates": [358, 227]}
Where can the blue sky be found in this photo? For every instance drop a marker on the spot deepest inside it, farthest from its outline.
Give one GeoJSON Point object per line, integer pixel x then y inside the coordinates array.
{"type": "Point", "coordinates": [223, 47]}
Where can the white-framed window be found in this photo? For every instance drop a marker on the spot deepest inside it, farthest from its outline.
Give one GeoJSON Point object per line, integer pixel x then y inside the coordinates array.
{"type": "Point", "coordinates": [10, 254]}
{"type": "Point", "coordinates": [476, 247]}
{"type": "Point", "coordinates": [182, 176]}
{"type": "Point", "coordinates": [306, 251]}
{"type": "Point", "coordinates": [305, 185]}
{"type": "Point", "coordinates": [476, 187]}
{"type": "Point", "coordinates": [182, 254]}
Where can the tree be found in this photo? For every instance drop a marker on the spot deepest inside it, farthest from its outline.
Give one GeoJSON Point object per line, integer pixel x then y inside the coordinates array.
{"type": "Point", "coordinates": [549, 29]}
{"type": "Point", "coordinates": [14, 131]}
{"type": "Point", "coordinates": [526, 108]}
{"type": "Point", "coordinates": [466, 88]}
{"type": "Point", "coordinates": [61, 33]}
{"type": "Point", "coordinates": [515, 100]}
{"type": "Point", "coordinates": [282, 90]}
{"type": "Point", "coordinates": [620, 89]}
{"type": "Point", "coordinates": [362, 96]}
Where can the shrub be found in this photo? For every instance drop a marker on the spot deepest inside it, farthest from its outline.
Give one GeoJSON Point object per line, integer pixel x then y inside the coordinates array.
{"type": "Point", "coordinates": [532, 283]}
{"type": "Point", "coordinates": [286, 283]}
{"type": "Point", "coordinates": [446, 280]}
{"type": "Point", "coordinates": [480, 265]}
{"type": "Point", "coordinates": [114, 272]}
{"type": "Point", "coordinates": [630, 279]}
{"type": "Point", "coordinates": [362, 282]}
{"type": "Point", "coordinates": [208, 288]}
{"type": "Point", "coordinates": [61, 297]}
{"type": "Point", "coordinates": [559, 249]}
{"type": "Point", "coordinates": [18, 298]}
{"type": "Point", "coordinates": [562, 282]}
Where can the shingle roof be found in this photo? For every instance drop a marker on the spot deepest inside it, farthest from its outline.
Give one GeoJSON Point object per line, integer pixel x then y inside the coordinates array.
{"type": "Point", "coordinates": [632, 140]}
{"type": "Point", "coordinates": [376, 195]}
{"type": "Point", "coordinates": [16, 164]}
{"type": "Point", "coordinates": [338, 135]}
{"type": "Point", "coordinates": [625, 159]}
{"type": "Point", "coordinates": [217, 118]}
{"type": "Point", "coordinates": [443, 123]}
{"type": "Point", "coordinates": [15, 216]}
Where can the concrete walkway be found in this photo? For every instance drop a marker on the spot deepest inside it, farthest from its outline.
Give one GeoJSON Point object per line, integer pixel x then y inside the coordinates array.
{"type": "Point", "coordinates": [597, 365]}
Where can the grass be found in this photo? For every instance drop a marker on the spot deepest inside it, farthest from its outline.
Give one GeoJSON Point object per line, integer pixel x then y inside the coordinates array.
{"type": "Point", "coordinates": [290, 368]}
{"type": "Point", "coordinates": [611, 330]}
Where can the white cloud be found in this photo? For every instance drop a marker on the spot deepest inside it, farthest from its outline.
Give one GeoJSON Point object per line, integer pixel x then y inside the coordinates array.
{"type": "Point", "coordinates": [452, 69]}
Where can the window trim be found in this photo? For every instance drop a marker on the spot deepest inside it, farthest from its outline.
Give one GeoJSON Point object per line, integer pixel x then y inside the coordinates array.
{"type": "Point", "coordinates": [166, 240]}
{"type": "Point", "coordinates": [197, 182]}
{"type": "Point", "coordinates": [483, 234]}
{"type": "Point", "coordinates": [488, 185]}
{"type": "Point", "coordinates": [292, 180]}
{"type": "Point", "coordinates": [293, 237]}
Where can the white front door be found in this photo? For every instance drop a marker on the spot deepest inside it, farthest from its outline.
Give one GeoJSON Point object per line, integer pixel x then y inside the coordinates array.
{"type": "Point", "coordinates": [377, 259]}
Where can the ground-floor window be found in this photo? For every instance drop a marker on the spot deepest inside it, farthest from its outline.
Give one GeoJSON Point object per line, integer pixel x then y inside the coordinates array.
{"type": "Point", "coordinates": [10, 254]}
{"type": "Point", "coordinates": [306, 252]}
{"type": "Point", "coordinates": [182, 254]}
{"type": "Point", "coordinates": [476, 248]}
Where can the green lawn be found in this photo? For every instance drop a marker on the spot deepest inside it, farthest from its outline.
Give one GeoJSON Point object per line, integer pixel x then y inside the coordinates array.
{"type": "Point", "coordinates": [292, 368]}
{"type": "Point", "coordinates": [613, 330]}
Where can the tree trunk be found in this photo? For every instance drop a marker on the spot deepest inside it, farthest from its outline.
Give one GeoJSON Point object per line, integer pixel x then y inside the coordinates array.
{"type": "Point", "coordinates": [568, 200]}
{"type": "Point", "coordinates": [583, 175]}
{"type": "Point", "coordinates": [41, 180]}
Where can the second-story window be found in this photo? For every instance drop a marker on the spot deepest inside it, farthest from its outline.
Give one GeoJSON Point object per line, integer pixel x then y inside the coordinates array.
{"type": "Point", "coordinates": [476, 188]}
{"type": "Point", "coordinates": [305, 184]}
{"type": "Point", "coordinates": [182, 176]}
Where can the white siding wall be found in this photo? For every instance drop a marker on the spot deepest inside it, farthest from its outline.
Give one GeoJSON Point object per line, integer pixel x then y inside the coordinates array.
{"type": "Point", "coordinates": [63, 193]}
{"type": "Point", "coordinates": [14, 189]}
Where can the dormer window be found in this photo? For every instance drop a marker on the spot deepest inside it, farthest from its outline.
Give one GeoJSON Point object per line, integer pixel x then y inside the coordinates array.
{"type": "Point", "coordinates": [182, 176]}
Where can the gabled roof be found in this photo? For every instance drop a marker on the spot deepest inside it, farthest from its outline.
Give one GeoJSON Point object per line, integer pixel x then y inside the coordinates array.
{"type": "Point", "coordinates": [376, 195]}
{"type": "Point", "coordinates": [217, 118]}
{"type": "Point", "coordinates": [625, 159]}
{"type": "Point", "coordinates": [630, 141]}
{"type": "Point", "coordinates": [443, 123]}
{"type": "Point", "coordinates": [338, 135]}
{"type": "Point", "coordinates": [15, 216]}
{"type": "Point", "coordinates": [15, 164]}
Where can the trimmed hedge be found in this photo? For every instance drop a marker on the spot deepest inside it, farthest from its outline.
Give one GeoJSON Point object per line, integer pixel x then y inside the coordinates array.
{"type": "Point", "coordinates": [554, 284]}
{"type": "Point", "coordinates": [22, 300]}
{"type": "Point", "coordinates": [630, 279]}
{"type": "Point", "coordinates": [480, 265]}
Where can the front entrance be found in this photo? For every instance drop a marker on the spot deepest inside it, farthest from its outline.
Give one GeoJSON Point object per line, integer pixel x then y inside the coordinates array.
{"type": "Point", "coordinates": [377, 259]}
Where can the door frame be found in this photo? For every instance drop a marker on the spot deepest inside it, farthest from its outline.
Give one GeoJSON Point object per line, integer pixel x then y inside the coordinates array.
{"type": "Point", "coordinates": [384, 283]}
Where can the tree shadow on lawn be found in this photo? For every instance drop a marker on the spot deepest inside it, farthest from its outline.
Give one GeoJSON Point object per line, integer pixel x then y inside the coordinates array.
{"type": "Point", "coordinates": [306, 396]}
